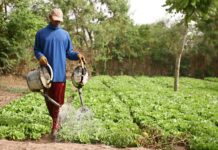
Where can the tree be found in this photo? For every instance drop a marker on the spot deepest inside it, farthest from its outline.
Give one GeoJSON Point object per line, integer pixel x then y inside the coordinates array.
{"type": "Point", "coordinates": [111, 35]}
{"type": "Point", "coordinates": [192, 10]}
{"type": "Point", "coordinates": [178, 41]}
{"type": "Point", "coordinates": [18, 29]}
{"type": "Point", "coordinates": [210, 33]}
{"type": "Point", "coordinates": [158, 39]}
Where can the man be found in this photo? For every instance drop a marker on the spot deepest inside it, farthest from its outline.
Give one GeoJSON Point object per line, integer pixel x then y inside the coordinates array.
{"type": "Point", "coordinates": [53, 45]}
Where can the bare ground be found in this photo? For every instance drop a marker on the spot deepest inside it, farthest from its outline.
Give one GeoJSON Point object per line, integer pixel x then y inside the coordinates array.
{"type": "Point", "coordinates": [13, 87]}
{"type": "Point", "coordinates": [12, 145]}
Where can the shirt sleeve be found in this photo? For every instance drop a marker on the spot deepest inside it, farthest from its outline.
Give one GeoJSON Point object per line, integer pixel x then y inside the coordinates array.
{"type": "Point", "coordinates": [37, 49]}
{"type": "Point", "coordinates": [69, 50]}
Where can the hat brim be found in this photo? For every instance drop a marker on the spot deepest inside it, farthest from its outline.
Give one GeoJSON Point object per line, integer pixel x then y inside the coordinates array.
{"type": "Point", "coordinates": [55, 18]}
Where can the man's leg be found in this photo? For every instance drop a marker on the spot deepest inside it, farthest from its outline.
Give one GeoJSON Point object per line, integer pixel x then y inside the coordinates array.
{"type": "Point", "coordinates": [56, 92]}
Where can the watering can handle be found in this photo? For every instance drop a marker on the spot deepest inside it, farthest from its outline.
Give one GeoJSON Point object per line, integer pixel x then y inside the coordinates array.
{"type": "Point", "coordinates": [83, 63]}
{"type": "Point", "coordinates": [50, 71]}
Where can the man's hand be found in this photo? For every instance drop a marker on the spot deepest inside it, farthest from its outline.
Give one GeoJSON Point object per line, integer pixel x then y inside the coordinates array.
{"type": "Point", "coordinates": [43, 60]}
{"type": "Point", "coordinates": [81, 58]}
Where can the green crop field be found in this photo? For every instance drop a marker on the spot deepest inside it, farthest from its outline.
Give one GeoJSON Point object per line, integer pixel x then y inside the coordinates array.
{"type": "Point", "coordinates": [128, 111]}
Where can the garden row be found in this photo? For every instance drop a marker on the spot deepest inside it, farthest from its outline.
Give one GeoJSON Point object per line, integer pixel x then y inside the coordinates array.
{"type": "Point", "coordinates": [128, 111]}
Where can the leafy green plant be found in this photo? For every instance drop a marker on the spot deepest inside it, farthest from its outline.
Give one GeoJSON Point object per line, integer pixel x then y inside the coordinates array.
{"type": "Point", "coordinates": [26, 118]}
{"type": "Point", "coordinates": [127, 111]}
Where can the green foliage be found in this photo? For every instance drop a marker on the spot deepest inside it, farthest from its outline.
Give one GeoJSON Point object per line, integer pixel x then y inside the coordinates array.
{"type": "Point", "coordinates": [192, 9]}
{"type": "Point", "coordinates": [131, 111]}
{"type": "Point", "coordinates": [209, 42]}
{"type": "Point", "coordinates": [203, 12]}
{"type": "Point", "coordinates": [18, 29]}
{"type": "Point", "coordinates": [160, 43]}
{"type": "Point", "coordinates": [26, 118]}
{"type": "Point", "coordinates": [101, 26]}
{"type": "Point", "coordinates": [105, 32]}
{"type": "Point", "coordinates": [151, 104]}
{"type": "Point", "coordinates": [6, 63]}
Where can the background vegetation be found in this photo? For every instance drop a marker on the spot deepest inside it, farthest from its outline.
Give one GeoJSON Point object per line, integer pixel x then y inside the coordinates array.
{"type": "Point", "coordinates": [112, 43]}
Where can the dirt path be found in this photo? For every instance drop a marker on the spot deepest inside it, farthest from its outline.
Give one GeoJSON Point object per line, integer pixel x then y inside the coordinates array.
{"type": "Point", "coordinates": [11, 88]}
{"type": "Point", "coordinates": [15, 145]}
{"type": "Point", "coordinates": [6, 97]}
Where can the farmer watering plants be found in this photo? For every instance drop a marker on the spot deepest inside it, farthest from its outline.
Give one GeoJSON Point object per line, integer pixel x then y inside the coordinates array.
{"type": "Point", "coordinates": [52, 46]}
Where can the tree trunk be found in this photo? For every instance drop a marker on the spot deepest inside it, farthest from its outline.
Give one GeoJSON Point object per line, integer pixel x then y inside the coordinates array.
{"type": "Point", "coordinates": [178, 61]}
{"type": "Point", "coordinates": [105, 66]}
{"type": "Point", "coordinates": [90, 38]}
{"type": "Point", "coordinates": [84, 37]}
{"type": "Point", "coordinates": [177, 70]}
{"type": "Point", "coordinates": [6, 11]}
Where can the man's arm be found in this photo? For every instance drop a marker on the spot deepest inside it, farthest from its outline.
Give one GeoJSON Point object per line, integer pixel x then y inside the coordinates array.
{"type": "Point", "coordinates": [37, 48]}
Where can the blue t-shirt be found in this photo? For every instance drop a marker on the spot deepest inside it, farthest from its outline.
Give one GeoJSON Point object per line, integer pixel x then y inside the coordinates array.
{"type": "Point", "coordinates": [55, 44]}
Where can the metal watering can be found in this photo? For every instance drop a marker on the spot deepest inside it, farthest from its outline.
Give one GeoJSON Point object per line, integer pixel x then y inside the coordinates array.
{"type": "Point", "coordinates": [39, 79]}
{"type": "Point", "coordinates": [79, 78]}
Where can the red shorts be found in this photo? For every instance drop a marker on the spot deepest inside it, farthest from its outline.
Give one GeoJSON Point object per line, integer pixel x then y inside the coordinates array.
{"type": "Point", "coordinates": [56, 92]}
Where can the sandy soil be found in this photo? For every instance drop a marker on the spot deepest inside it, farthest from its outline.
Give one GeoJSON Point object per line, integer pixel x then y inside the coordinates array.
{"type": "Point", "coordinates": [15, 145]}
{"type": "Point", "coordinates": [13, 81]}
{"type": "Point", "coordinates": [11, 88]}
{"type": "Point", "coordinates": [6, 97]}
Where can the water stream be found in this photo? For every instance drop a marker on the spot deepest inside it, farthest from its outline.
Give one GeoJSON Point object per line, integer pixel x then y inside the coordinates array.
{"type": "Point", "coordinates": [78, 124]}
